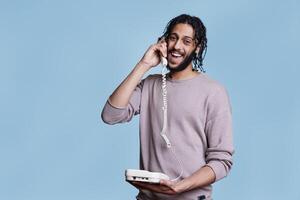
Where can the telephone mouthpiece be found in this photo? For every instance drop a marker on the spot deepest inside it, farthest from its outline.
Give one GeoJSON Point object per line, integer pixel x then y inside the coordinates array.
{"type": "Point", "coordinates": [164, 61]}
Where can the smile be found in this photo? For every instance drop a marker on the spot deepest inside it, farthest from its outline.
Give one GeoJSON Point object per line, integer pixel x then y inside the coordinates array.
{"type": "Point", "coordinates": [176, 55]}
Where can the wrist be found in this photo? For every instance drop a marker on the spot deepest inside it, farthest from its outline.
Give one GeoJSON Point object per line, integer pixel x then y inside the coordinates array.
{"type": "Point", "coordinates": [183, 186]}
{"type": "Point", "coordinates": [143, 65]}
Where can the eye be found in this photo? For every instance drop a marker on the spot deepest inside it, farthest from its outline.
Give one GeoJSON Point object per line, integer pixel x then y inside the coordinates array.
{"type": "Point", "coordinates": [187, 42]}
{"type": "Point", "coordinates": [172, 38]}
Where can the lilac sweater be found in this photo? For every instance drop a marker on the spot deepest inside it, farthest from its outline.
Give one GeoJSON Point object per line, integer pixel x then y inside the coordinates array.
{"type": "Point", "coordinates": [199, 128]}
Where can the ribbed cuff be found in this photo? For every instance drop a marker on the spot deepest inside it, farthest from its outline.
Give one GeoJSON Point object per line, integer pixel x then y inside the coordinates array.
{"type": "Point", "coordinates": [218, 169]}
{"type": "Point", "coordinates": [112, 114]}
{"type": "Point", "coordinates": [122, 108]}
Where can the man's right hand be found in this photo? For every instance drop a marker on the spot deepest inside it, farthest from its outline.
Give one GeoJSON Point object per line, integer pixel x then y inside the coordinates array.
{"type": "Point", "coordinates": [152, 56]}
{"type": "Point", "coordinates": [121, 96]}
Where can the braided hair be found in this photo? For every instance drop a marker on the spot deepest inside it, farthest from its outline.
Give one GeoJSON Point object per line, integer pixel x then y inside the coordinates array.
{"type": "Point", "coordinates": [200, 36]}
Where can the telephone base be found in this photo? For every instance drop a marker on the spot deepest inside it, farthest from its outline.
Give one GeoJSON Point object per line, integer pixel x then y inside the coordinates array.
{"type": "Point", "coordinates": [144, 176]}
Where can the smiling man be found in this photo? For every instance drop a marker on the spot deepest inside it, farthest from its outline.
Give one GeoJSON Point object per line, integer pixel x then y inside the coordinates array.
{"type": "Point", "coordinates": [199, 115]}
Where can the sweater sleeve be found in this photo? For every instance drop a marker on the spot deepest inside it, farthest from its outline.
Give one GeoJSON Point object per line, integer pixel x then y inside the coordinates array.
{"type": "Point", "coordinates": [218, 129]}
{"type": "Point", "coordinates": [112, 115]}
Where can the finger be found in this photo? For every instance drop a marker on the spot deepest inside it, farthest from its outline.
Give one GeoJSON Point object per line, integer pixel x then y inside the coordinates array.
{"type": "Point", "coordinates": [132, 183]}
{"type": "Point", "coordinates": [159, 188]}
{"type": "Point", "coordinates": [137, 186]}
{"type": "Point", "coordinates": [137, 183]}
{"type": "Point", "coordinates": [162, 42]}
{"type": "Point", "coordinates": [154, 187]}
{"type": "Point", "coordinates": [164, 182]}
{"type": "Point", "coordinates": [162, 50]}
{"type": "Point", "coordinates": [143, 185]}
{"type": "Point", "coordinates": [161, 39]}
{"type": "Point", "coordinates": [169, 192]}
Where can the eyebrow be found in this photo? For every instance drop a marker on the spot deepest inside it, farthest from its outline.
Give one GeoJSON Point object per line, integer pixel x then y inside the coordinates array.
{"type": "Point", "coordinates": [185, 36]}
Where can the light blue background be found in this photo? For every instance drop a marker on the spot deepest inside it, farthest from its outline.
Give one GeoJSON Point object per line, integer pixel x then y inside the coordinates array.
{"type": "Point", "coordinates": [60, 60]}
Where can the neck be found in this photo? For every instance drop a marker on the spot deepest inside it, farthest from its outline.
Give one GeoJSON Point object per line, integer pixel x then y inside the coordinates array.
{"type": "Point", "coordinates": [184, 74]}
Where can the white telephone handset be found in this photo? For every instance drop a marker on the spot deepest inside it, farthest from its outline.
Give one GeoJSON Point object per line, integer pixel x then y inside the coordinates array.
{"type": "Point", "coordinates": [163, 61]}
{"type": "Point", "coordinates": [155, 177]}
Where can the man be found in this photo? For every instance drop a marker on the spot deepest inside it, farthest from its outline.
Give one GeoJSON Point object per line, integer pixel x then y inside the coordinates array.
{"type": "Point", "coordinates": [199, 115]}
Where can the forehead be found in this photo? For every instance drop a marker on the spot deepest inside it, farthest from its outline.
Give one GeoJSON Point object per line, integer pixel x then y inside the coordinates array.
{"type": "Point", "coordinates": [183, 30]}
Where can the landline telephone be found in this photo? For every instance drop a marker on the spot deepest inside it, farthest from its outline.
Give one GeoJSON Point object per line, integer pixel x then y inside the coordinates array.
{"type": "Point", "coordinates": [155, 177]}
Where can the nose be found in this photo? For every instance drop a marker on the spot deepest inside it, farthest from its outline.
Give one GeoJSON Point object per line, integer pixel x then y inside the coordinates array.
{"type": "Point", "coordinates": [177, 44]}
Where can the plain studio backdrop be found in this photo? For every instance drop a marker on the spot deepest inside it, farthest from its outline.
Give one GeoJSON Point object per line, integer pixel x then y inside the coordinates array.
{"type": "Point", "coordinates": [60, 60]}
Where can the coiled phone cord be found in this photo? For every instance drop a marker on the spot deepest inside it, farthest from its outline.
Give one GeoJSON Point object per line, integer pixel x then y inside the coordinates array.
{"type": "Point", "coordinates": [165, 119]}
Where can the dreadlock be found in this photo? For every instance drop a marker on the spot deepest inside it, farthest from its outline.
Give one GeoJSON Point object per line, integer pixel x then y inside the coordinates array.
{"type": "Point", "coordinates": [200, 36]}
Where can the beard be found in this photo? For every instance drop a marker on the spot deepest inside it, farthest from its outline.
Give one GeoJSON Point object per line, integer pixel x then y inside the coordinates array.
{"type": "Point", "coordinates": [184, 64]}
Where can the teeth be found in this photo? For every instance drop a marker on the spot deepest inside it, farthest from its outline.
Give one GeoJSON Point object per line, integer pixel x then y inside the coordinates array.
{"type": "Point", "coordinates": [176, 54]}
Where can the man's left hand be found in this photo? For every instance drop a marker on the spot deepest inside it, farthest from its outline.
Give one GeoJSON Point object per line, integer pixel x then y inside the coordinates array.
{"type": "Point", "coordinates": [164, 187]}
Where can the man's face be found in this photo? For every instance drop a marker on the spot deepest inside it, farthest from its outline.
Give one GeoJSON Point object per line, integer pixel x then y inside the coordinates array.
{"type": "Point", "coordinates": [181, 45]}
